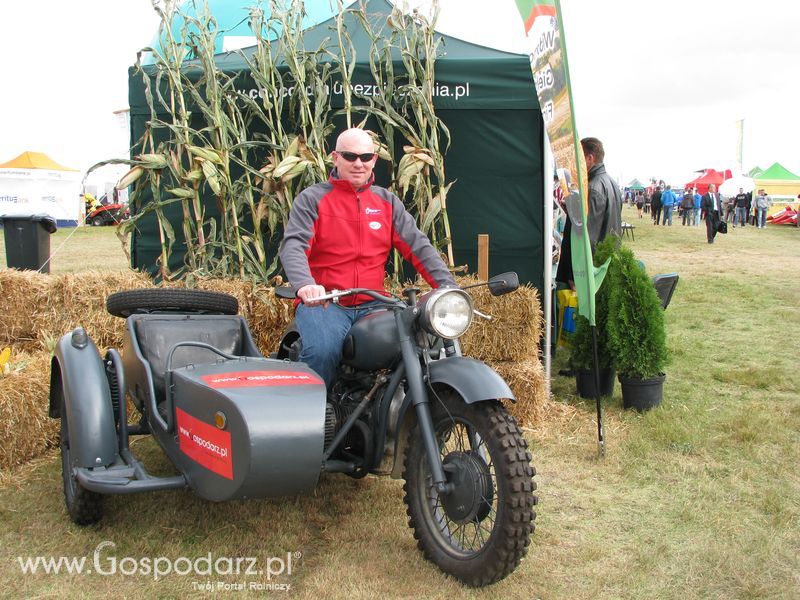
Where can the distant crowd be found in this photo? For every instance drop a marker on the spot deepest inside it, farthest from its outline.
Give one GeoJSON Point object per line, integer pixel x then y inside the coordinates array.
{"type": "Point", "coordinates": [662, 203]}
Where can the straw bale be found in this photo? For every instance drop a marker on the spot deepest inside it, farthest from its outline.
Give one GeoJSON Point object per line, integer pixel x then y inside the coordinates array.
{"type": "Point", "coordinates": [79, 299]}
{"type": "Point", "coordinates": [527, 380]}
{"type": "Point", "coordinates": [24, 295]}
{"type": "Point", "coordinates": [515, 330]}
{"type": "Point", "coordinates": [26, 430]}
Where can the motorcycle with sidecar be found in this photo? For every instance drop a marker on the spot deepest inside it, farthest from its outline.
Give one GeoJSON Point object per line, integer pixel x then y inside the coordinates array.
{"type": "Point", "coordinates": [236, 424]}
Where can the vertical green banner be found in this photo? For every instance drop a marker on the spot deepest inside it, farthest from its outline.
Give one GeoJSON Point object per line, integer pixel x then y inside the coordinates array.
{"type": "Point", "coordinates": [548, 52]}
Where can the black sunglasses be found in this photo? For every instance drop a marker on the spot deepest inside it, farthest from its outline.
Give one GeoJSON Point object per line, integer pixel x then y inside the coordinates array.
{"type": "Point", "coordinates": [352, 156]}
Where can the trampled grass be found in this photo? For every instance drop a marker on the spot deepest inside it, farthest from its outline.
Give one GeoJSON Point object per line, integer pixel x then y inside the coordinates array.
{"type": "Point", "coordinates": [697, 499]}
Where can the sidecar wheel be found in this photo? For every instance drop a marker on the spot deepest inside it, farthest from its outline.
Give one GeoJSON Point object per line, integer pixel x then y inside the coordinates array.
{"type": "Point", "coordinates": [84, 507]}
{"type": "Point", "coordinates": [176, 300]}
{"type": "Point", "coordinates": [479, 532]}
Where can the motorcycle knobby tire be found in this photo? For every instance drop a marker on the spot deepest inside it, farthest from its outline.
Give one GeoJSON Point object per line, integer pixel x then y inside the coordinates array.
{"type": "Point", "coordinates": [173, 300]}
{"type": "Point", "coordinates": [505, 534]}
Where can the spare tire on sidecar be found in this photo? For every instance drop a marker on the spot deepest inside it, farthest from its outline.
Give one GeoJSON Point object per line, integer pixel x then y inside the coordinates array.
{"type": "Point", "coordinates": [234, 423]}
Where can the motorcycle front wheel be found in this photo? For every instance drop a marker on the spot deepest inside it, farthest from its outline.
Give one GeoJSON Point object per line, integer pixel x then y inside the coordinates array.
{"type": "Point", "coordinates": [480, 530]}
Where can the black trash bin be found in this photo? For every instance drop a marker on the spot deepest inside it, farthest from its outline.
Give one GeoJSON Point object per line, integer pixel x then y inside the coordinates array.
{"type": "Point", "coordinates": [28, 241]}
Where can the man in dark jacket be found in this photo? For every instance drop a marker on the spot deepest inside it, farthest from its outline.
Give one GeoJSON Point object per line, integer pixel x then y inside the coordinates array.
{"type": "Point", "coordinates": [605, 207]}
{"type": "Point", "coordinates": [712, 204]}
{"type": "Point", "coordinates": [655, 204]}
{"type": "Point", "coordinates": [339, 236]}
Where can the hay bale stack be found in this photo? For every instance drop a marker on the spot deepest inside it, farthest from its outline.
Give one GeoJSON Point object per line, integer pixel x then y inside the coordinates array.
{"type": "Point", "coordinates": [39, 309]}
{"type": "Point", "coordinates": [23, 295]}
{"type": "Point", "coordinates": [26, 430]}
{"type": "Point", "coordinates": [515, 330]}
{"type": "Point", "coordinates": [527, 380]}
{"type": "Point", "coordinates": [80, 300]}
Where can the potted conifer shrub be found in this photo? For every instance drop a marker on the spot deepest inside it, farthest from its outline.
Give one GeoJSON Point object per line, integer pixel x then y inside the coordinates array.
{"type": "Point", "coordinates": [636, 331]}
{"type": "Point", "coordinates": [581, 360]}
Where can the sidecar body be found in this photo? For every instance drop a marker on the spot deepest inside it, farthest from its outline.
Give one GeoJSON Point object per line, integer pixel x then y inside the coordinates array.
{"type": "Point", "coordinates": [233, 423]}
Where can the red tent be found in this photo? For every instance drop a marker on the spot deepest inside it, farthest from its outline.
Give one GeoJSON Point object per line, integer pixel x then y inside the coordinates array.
{"type": "Point", "coordinates": [708, 177]}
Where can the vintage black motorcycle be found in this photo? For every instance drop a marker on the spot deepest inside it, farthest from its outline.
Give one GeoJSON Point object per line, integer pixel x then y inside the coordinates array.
{"type": "Point", "coordinates": [407, 403]}
{"type": "Point", "coordinates": [238, 425]}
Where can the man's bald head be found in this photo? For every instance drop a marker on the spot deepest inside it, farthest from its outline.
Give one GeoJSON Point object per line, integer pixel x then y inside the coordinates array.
{"type": "Point", "coordinates": [355, 138]}
{"type": "Point", "coordinates": [355, 157]}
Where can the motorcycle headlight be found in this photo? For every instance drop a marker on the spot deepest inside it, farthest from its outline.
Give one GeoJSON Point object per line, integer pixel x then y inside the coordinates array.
{"type": "Point", "coordinates": [447, 312]}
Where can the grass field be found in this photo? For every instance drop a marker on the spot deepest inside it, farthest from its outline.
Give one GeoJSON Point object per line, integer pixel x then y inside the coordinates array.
{"type": "Point", "coordinates": [699, 498]}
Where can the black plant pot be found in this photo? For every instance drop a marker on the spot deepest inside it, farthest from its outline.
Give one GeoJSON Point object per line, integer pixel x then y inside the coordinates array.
{"type": "Point", "coordinates": [584, 381]}
{"type": "Point", "coordinates": [642, 394]}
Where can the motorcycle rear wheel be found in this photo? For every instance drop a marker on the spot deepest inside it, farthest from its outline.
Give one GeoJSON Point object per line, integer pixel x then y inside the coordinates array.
{"type": "Point", "coordinates": [479, 532]}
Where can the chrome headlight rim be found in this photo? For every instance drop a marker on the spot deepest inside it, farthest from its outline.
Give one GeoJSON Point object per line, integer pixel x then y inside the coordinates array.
{"type": "Point", "coordinates": [427, 316]}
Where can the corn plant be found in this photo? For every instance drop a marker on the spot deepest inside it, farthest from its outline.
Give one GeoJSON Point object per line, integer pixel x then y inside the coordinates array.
{"type": "Point", "coordinates": [252, 155]}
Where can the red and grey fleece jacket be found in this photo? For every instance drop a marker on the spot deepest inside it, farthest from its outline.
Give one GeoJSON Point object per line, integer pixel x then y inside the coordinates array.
{"type": "Point", "coordinates": [339, 237]}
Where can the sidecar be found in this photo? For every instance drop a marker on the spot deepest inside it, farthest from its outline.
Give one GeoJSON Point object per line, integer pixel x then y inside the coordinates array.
{"type": "Point", "coordinates": [234, 423]}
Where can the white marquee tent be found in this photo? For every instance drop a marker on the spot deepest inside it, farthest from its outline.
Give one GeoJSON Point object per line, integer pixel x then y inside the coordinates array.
{"type": "Point", "coordinates": [32, 183]}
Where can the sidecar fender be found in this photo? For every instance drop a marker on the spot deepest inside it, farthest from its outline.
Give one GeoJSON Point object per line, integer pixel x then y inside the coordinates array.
{"type": "Point", "coordinates": [471, 379]}
{"type": "Point", "coordinates": [77, 372]}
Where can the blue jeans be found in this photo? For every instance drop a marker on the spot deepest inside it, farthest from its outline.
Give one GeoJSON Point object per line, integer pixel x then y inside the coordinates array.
{"type": "Point", "coordinates": [667, 215]}
{"type": "Point", "coordinates": [322, 332]}
{"type": "Point", "coordinates": [696, 216]}
{"type": "Point", "coordinates": [741, 216]}
{"type": "Point", "coordinates": [761, 221]}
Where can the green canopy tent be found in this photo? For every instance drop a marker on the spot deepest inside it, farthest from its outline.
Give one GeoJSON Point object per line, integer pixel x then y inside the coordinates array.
{"type": "Point", "coordinates": [487, 100]}
{"type": "Point", "coordinates": [635, 185]}
{"type": "Point", "coordinates": [779, 182]}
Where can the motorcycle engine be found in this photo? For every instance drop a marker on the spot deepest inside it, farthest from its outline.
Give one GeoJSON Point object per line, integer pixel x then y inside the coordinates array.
{"type": "Point", "coordinates": [358, 439]}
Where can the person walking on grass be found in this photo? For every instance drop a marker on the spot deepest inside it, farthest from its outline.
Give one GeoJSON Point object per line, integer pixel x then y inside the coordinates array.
{"type": "Point", "coordinates": [741, 209]}
{"type": "Point", "coordinates": [687, 206]}
{"type": "Point", "coordinates": [762, 202]}
{"type": "Point", "coordinates": [668, 201]}
{"type": "Point", "coordinates": [698, 202]}
{"type": "Point", "coordinates": [639, 202]}
{"type": "Point", "coordinates": [655, 205]}
{"type": "Point", "coordinates": [711, 206]}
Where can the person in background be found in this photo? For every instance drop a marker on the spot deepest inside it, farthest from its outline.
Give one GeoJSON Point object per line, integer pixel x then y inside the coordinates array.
{"type": "Point", "coordinates": [639, 202]}
{"type": "Point", "coordinates": [729, 208]}
{"type": "Point", "coordinates": [698, 199]}
{"type": "Point", "coordinates": [711, 206]}
{"type": "Point", "coordinates": [762, 204]}
{"type": "Point", "coordinates": [655, 205]}
{"type": "Point", "coordinates": [741, 208]}
{"type": "Point", "coordinates": [687, 206]}
{"type": "Point", "coordinates": [604, 218]}
{"type": "Point", "coordinates": [668, 201]}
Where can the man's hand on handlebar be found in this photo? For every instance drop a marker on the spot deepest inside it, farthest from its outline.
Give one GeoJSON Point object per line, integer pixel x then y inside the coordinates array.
{"type": "Point", "coordinates": [308, 293]}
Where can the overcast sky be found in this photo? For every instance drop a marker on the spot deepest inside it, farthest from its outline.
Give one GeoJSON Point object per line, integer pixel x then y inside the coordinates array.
{"type": "Point", "coordinates": [661, 83]}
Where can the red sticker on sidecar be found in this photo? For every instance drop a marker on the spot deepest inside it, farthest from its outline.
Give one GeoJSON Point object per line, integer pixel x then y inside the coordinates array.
{"type": "Point", "coordinates": [205, 444]}
{"type": "Point", "coordinates": [260, 379]}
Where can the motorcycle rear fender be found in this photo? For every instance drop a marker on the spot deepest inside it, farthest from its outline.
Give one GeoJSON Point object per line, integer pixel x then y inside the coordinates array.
{"type": "Point", "coordinates": [471, 379]}
{"type": "Point", "coordinates": [78, 372]}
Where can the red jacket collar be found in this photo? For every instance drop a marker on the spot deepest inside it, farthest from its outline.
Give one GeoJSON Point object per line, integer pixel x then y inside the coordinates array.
{"type": "Point", "coordinates": [344, 185]}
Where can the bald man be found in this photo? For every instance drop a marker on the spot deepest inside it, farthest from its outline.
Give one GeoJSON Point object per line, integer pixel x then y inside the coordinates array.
{"type": "Point", "coordinates": [339, 236]}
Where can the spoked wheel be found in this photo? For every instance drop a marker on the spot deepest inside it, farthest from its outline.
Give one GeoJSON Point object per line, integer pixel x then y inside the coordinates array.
{"type": "Point", "coordinates": [478, 532]}
{"type": "Point", "coordinates": [84, 507]}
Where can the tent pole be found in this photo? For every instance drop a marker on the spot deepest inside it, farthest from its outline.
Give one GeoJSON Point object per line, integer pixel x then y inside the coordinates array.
{"type": "Point", "coordinates": [547, 287]}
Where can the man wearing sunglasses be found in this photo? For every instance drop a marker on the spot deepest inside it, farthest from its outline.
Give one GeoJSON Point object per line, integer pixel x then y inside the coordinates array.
{"type": "Point", "coordinates": [339, 236]}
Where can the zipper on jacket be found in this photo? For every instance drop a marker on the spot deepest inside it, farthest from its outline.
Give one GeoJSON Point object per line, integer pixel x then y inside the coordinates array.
{"type": "Point", "coordinates": [360, 243]}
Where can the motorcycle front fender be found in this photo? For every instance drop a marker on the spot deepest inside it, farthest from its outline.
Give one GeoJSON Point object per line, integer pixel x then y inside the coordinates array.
{"type": "Point", "coordinates": [473, 380]}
